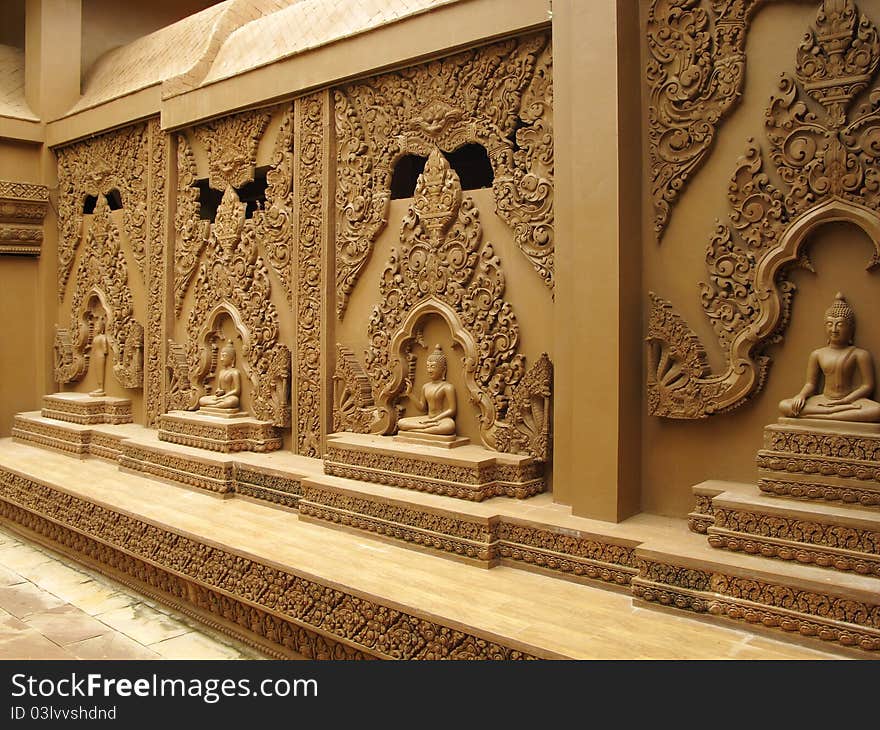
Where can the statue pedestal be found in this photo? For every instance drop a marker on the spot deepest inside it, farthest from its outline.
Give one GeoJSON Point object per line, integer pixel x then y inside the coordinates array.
{"type": "Point", "coordinates": [86, 409]}
{"type": "Point", "coordinates": [229, 432]}
{"type": "Point", "coordinates": [466, 471]}
{"type": "Point", "coordinates": [431, 439]}
{"type": "Point", "coordinates": [821, 459]}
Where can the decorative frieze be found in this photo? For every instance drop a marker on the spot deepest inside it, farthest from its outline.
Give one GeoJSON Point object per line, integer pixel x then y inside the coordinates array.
{"type": "Point", "coordinates": [23, 207]}
{"type": "Point", "coordinates": [262, 599]}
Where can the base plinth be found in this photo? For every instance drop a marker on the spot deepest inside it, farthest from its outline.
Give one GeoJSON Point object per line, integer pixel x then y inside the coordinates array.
{"type": "Point", "coordinates": [86, 409]}
{"type": "Point", "coordinates": [819, 459]}
{"type": "Point", "coordinates": [431, 439]}
{"type": "Point", "coordinates": [467, 472]}
{"type": "Point", "coordinates": [225, 434]}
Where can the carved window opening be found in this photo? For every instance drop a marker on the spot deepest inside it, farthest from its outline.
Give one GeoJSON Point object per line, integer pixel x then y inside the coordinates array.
{"type": "Point", "coordinates": [209, 200]}
{"type": "Point", "coordinates": [114, 201]}
{"type": "Point", "coordinates": [406, 172]}
{"type": "Point", "coordinates": [89, 204]}
{"type": "Point", "coordinates": [253, 193]}
{"type": "Point", "coordinates": [470, 162]}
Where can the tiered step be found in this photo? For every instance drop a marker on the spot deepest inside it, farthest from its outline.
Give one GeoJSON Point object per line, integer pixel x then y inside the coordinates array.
{"type": "Point", "coordinates": [833, 536]}
{"type": "Point", "coordinates": [822, 460]}
{"type": "Point", "coordinates": [284, 585]}
{"type": "Point", "coordinates": [686, 573]}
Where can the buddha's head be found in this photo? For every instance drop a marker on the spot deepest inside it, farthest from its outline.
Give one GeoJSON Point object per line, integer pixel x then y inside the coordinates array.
{"type": "Point", "coordinates": [840, 322]}
{"type": "Point", "coordinates": [227, 354]}
{"type": "Point", "coordinates": [436, 364]}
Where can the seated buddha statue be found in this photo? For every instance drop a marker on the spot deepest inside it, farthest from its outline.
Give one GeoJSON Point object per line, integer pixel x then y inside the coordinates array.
{"type": "Point", "coordinates": [437, 398]}
{"type": "Point", "coordinates": [838, 362]}
{"type": "Point", "coordinates": [227, 391]}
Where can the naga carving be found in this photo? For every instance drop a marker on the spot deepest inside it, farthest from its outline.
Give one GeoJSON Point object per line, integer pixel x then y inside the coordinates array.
{"type": "Point", "coordinates": [442, 268]}
{"type": "Point", "coordinates": [114, 161]}
{"type": "Point", "coordinates": [824, 156]}
{"type": "Point", "coordinates": [499, 96]}
{"type": "Point", "coordinates": [103, 275]}
{"type": "Point", "coordinates": [528, 423]}
{"type": "Point", "coordinates": [354, 407]}
{"type": "Point", "coordinates": [695, 70]}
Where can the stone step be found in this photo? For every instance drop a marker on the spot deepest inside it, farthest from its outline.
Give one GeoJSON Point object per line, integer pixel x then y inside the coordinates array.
{"type": "Point", "coordinates": [827, 535]}
{"type": "Point", "coordinates": [685, 572]}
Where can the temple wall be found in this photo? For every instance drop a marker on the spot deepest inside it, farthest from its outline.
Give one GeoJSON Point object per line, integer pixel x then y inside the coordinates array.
{"type": "Point", "coordinates": [677, 454]}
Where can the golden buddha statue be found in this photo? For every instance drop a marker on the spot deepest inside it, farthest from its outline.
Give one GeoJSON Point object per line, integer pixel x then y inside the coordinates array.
{"type": "Point", "coordinates": [98, 356]}
{"type": "Point", "coordinates": [227, 392]}
{"type": "Point", "coordinates": [437, 398]}
{"type": "Point", "coordinates": [841, 399]}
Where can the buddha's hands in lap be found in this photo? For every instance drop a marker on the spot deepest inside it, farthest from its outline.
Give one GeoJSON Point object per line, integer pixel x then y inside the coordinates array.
{"type": "Point", "coordinates": [797, 404]}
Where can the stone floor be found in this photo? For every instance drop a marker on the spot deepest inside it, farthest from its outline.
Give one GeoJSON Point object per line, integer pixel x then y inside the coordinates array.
{"type": "Point", "coordinates": [51, 610]}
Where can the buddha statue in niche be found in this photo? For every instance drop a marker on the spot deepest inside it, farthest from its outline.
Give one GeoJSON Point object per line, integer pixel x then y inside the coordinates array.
{"type": "Point", "coordinates": [437, 398]}
{"type": "Point", "coordinates": [98, 355]}
{"type": "Point", "coordinates": [227, 384]}
{"type": "Point", "coordinates": [841, 399]}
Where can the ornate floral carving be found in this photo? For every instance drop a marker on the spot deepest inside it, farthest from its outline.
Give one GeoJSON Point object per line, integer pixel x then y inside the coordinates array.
{"type": "Point", "coordinates": [695, 69]}
{"type": "Point", "coordinates": [192, 232]}
{"type": "Point", "coordinates": [312, 119]}
{"type": "Point", "coordinates": [498, 96]}
{"type": "Point", "coordinates": [277, 231]}
{"type": "Point", "coordinates": [354, 408]}
{"type": "Point", "coordinates": [442, 268]}
{"type": "Point", "coordinates": [117, 160]}
{"type": "Point", "coordinates": [156, 276]}
{"type": "Point", "coordinates": [103, 276]}
{"type": "Point", "coordinates": [180, 394]}
{"type": "Point", "coordinates": [233, 280]}
{"type": "Point", "coordinates": [827, 166]}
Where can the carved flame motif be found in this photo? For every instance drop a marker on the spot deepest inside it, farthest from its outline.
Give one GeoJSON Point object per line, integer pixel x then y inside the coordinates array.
{"type": "Point", "coordinates": [442, 268]}
{"type": "Point", "coordinates": [231, 143]}
{"type": "Point", "coordinates": [102, 273]}
{"type": "Point", "coordinates": [499, 97]}
{"type": "Point", "coordinates": [117, 160]}
{"type": "Point", "coordinates": [695, 71]}
{"type": "Point", "coordinates": [827, 164]}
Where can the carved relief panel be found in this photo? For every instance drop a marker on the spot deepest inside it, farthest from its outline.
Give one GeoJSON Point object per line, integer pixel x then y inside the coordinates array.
{"type": "Point", "coordinates": [222, 262]}
{"type": "Point", "coordinates": [112, 188]}
{"type": "Point", "coordinates": [822, 148]}
{"type": "Point", "coordinates": [498, 96]}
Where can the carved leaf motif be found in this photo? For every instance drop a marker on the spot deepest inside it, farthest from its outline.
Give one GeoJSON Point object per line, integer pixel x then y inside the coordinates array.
{"type": "Point", "coordinates": [498, 96]}
{"type": "Point", "coordinates": [156, 284]}
{"type": "Point", "coordinates": [276, 222]}
{"type": "Point", "coordinates": [695, 73]}
{"type": "Point", "coordinates": [192, 232]}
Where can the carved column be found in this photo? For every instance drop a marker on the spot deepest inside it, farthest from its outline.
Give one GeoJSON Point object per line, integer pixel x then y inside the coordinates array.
{"type": "Point", "coordinates": [154, 335]}
{"type": "Point", "coordinates": [310, 185]}
{"type": "Point", "coordinates": [597, 320]}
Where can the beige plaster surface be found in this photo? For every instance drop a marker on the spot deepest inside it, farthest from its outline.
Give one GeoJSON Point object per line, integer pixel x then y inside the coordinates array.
{"type": "Point", "coordinates": [534, 610]}
{"type": "Point", "coordinates": [50, 609]}
{"type": "Point", "coordinates": [12, 99]}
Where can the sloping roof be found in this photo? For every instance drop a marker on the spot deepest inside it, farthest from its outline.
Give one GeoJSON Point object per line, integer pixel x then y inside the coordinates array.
{"type": "Point", "coordinates": [12, 100]}
{"type": "Point", "coordinates": [307, 24]}
{"type": "Point", "coordinates": [182, 51]}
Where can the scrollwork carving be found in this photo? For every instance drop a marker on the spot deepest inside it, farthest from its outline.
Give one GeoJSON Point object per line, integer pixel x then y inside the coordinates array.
{"type": "Point", "coordinates": [277, 230]}
{"type": "Point", "coordinates": [528, 423]}
{"type": "Point", "coordinates": [118, 160]}
{"type": "Point", "coordinates": [498, 96]}
{"type": "Point", "coordinates": [827, 166]}
{"type": "Point", "coordinates": [231, 143]}
{"type": "Point", "coordinates": [192, 232]}
{"type": "Point", "coordinates": [695, 69]}
{"type": "Point", "coordinates": [156, 282]}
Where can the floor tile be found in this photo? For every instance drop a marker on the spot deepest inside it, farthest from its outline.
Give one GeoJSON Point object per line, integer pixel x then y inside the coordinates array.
{"type": "Point", "coordinates": [143, 624]}
{"type": "Point", "coordinates": [66, 625]}
{"type": "Point", "coordinates": [193, 645]}
{"type": "Point", "coordinates": [111, 646]}
{"type": "Point", "coordinates": [25, 598]}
